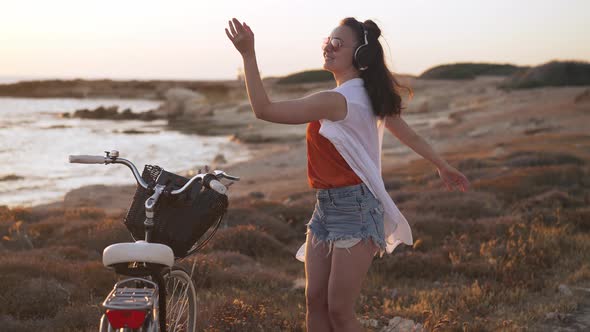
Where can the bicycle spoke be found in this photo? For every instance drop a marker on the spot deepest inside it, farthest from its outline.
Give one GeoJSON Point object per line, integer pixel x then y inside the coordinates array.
{"type": "Point", "coordinates": [173, 291]}
{"type": "Point", "coordinates": [184, 306]}
{"type": "Point", "coordinates": [176, 302]}
{"type": "Point", "coordinates": [180, 302]}
{"type": "Point", "coordinates": [173, 304]}
{"type": "Point", "coordinates": [178, 305]}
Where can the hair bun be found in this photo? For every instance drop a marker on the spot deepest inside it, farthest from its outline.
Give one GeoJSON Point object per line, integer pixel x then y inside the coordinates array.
{"type": "Point", "coordinates": [372, 27]}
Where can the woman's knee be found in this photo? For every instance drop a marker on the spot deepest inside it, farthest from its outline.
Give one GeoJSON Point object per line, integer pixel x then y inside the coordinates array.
{"type": "Point", "coordinates": [316, 299]}
{"type": "Point", "coordinates": [340, 312]}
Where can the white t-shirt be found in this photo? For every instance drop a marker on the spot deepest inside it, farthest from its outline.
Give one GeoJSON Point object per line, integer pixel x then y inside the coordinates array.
{"type": "Point", "coordinates": [358, 138]}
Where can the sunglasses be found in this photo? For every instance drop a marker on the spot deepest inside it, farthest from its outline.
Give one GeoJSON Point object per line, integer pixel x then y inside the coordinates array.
{"type": "Point", "coordinates": [335, 42]}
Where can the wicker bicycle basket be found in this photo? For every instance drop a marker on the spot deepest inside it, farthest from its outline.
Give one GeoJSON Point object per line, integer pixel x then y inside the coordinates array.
{"type": "Point", "coordinates": [180, 221]}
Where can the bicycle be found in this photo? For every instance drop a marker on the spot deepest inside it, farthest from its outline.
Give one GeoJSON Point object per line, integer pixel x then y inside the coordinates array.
{"type": "Point", "coordinates": [158, 286]}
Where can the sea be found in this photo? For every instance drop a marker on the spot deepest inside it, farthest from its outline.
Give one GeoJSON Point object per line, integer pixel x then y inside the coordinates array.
{"type": "Point", "coordinates": [36, 140]}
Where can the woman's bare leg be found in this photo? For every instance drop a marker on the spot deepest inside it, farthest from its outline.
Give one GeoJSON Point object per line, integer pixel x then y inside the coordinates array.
{"type": "Point", "coordinates": [349, 268]}
{"type": "Point", "coordinates": [317, 273]}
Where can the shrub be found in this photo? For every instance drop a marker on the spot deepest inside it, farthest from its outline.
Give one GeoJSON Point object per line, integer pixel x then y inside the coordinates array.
{"type": "Point", "coordinates": [248, 240]}
{"type": "Point", "coordinates": [230, 258]}
{"type": "Point", "coordinates": [84, 233]}
{"type": "Point", "coordinates": [554, 73]}
{"type": "Point", "coordinates": [77, 318]}
{"type": "Point", "coordinates": [520, 183]}
{"type": "Point", "coordinates": [294, 215]}
{"type": "Point", "coordinates": [256, 278]}
{"type": "Point", "coordinates": [15, 214]}
{"type": "Point", "coordinates": [204, 268]}
{"type": "Point", "coordinates": [533, 159]}
{"type": "Point", "coordinates": [307, 77]}
{"type": "Point", "coordinates": [34, 298]}
{"type": "Point", "coordinates": [72, 253]}
{"type": "Point", "coordinates": [579, 218]}
{"type": "Point", "coordinates": [547, 201]}
{"type": "Point", "coordinates": [472, 163]}
{"type": "Point", "coordinates": [90, 277]}
{"type": "Point", "coordinates": [250, 315]}
{"type": "Point", "coordinates": [468, 70]}
{"type": "Point", "coordinates": [415, 265]}
{"type": "Point", "coordinates": [271, 224]}
{"type": "Point", "coordinates": [527, 248]}
{"type": "Point", "coordinates": [11, 324]}
{"type": "Point", "coordinates": [433, 230]}
{"type": "Point", "coordinates": [456, 204]}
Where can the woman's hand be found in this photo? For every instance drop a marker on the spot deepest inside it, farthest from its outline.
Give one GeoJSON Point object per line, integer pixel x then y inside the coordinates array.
{"type": "Point", "coordinates": [452, 177]}
{"type": "Point", "coordinates": [241, 36]}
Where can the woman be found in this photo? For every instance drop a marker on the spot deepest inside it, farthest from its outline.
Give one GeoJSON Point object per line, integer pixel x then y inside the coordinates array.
{"type": "Point", "coordinates": [354, 217]}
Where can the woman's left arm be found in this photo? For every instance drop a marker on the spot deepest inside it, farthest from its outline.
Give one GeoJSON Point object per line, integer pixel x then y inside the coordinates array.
{"type": "Point", "coordinates": [450, 176]}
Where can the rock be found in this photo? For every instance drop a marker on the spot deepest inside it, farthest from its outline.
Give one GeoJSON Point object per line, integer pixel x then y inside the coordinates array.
{"type": "Point", "coordinates": [369, 322]}
{"type": "Point", "coordinates": [406, 325]}
{"type": "Point", "coordinates": [299, 283]}
{"type": "Point", "coordinates": [127, 114]}
{"type": "Point", "coordinates": [99, 113]}
{"type": "Point", "coordinates": [135, 132]}
{"type": "Point", "coordinates": [583, 97]}
{"type": "Point", "coordinates": [184, 102]}
{"type": "Point", "coordinates": [256, 194]}
{"type": "Point", "coordinates": [112, 113]}
{"type": "Point", "coordinates": [565, 290]}
{"type": "Point", "coordinates": [393, 293]}
{"type": "Point", "coordinates": [424, 108]}
{"type": "Point", "coordinates": [499, 151]}
{"type": "Point", "coordinates": [399, 324]}
{"type": "Point", "coordinates": [551, 315]}
{"type": "Point", "coordinates": [219, 159]}
{"type": "Point", "coordinates": [558, 316]}
{"type": "Point", "coordinates": [11, 177]}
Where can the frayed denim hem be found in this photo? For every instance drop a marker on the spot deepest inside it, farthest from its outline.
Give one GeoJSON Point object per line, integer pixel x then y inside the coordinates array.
{"type": "Point", "coordinates": [362, 236]}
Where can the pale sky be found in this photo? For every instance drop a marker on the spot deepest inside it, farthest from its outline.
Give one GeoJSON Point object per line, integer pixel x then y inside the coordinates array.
{"type": "Point", "coordinates": [125, 39]}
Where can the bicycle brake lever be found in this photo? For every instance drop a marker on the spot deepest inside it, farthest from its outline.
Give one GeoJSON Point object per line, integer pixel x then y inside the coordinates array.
{"type": "Point", "coordinates": [223, 174]}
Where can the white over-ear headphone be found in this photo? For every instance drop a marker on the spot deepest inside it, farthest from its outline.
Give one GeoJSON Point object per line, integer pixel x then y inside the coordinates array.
{"type": "Point", "coordinates": [358, 49]}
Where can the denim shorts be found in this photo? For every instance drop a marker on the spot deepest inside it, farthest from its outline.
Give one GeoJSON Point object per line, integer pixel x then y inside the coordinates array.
{"type": "Point", "coordinates": [346, 215]}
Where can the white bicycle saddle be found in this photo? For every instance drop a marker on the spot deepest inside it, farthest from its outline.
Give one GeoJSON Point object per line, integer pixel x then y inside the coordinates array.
{"type": "Point", "coordinates": [139, 251]}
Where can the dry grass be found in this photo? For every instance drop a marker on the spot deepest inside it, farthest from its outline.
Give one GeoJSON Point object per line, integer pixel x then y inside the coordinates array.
{"type": "Point", "coordinates": [486, 260]}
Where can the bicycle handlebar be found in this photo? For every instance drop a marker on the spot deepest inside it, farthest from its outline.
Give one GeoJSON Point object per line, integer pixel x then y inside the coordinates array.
{"type": "Point", "coordinates": [211, 182]}
{"type": "Point", "coordinates": [83, 159]}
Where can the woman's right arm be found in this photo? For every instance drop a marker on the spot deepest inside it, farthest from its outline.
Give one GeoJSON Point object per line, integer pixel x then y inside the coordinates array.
{"type": "Point", "coordinates": [451, 177]}
{"type": "Point", "coordinates": [322, 105]}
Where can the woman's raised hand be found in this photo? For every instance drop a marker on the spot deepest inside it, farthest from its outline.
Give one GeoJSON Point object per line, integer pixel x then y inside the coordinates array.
{"type": "Point", "coordinates": [241, 36]}
{"type": "Point", "coordinates": [453, 178]}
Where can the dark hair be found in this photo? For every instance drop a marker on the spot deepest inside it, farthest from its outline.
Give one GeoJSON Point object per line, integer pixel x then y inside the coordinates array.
{"type": "Point", "coordinates": [382, 87]}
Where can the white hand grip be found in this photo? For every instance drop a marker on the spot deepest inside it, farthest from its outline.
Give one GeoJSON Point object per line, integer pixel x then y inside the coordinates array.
{"type": "Point", "coordinates": [88, 159]}
{"type": "Point", "coordinates": [218, 186]}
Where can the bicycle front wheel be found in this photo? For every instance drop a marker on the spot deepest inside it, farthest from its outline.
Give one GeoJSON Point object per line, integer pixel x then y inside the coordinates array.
{"type": "Point", "coordinates": [181, 301]}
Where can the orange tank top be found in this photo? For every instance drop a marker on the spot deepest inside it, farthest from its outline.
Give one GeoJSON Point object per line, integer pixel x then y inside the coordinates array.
{"type": "Point", "coordinates": [325, 166]}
